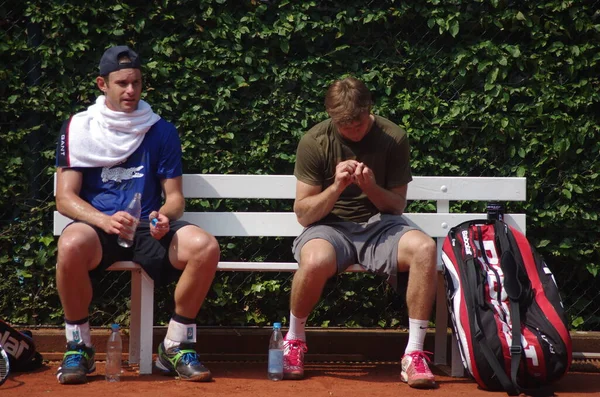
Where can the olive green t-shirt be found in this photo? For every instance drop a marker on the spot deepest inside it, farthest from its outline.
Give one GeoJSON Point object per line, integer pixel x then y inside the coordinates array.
{"type": "Point", "coordinates": [385, 150]}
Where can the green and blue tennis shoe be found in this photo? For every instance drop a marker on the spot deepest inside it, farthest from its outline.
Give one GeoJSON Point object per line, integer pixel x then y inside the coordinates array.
{"type": "Point", "coordinates": [182, 361]}
{"type": "Point", "coordinates": [78, 361]}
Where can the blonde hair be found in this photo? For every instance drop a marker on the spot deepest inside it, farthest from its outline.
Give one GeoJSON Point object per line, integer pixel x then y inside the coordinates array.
{"type": "Point", "coordinates": [347, 99]}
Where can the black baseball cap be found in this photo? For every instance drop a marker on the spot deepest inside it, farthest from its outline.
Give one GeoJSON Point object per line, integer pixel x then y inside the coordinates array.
{"type": "Point", "coordinates": [110, 60]}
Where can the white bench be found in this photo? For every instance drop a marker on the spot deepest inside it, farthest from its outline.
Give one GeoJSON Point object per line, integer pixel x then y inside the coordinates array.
{"type": "Point", "coordinates": [442, 190]}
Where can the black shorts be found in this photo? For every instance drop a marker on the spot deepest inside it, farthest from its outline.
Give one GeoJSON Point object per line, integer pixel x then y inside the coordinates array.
{"type": "Point", "coordinates": [151, 254]}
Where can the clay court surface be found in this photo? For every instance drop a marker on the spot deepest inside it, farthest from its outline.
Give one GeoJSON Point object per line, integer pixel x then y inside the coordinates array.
{"type": "Point", "coordinates": [249, 379]}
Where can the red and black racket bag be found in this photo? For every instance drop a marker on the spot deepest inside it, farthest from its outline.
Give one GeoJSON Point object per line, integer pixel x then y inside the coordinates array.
{"type": "Point", "coordinates": [20, 349]}
{"type": "Point", "coordinates": [506, 311]}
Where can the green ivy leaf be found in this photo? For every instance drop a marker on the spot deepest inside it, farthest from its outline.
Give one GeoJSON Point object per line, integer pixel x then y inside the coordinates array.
{"type": "Point", "coordinates": [284, 45]}
{"type": "Point", "coordinates": [514, 51]}
{"type": "Point", "coordinates": [454, 28]}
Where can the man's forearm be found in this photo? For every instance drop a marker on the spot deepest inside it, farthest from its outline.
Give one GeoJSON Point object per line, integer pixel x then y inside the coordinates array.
{"type": "Point", "coordinates": [173, 209]}
{"type": "Point", "coordinates": [76, 208]}
{"type": "Point", "coordinates": [314, 208]}
{"type": "Point", "coordinates": [386, 201]}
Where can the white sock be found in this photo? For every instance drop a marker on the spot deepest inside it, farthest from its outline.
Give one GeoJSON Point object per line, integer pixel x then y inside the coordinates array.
{"type": "Point", "coordinates": [297, 328]}
{"type": "Point", "coordinates": [79, 333]}
{"type": "Point", "coordinates": [178, 333]}
{"type": "Point", "coordinates": [417, 329]}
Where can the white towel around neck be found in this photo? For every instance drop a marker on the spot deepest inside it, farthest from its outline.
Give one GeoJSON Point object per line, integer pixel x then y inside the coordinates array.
{"type": "Point", "coordinates": [100, 137]}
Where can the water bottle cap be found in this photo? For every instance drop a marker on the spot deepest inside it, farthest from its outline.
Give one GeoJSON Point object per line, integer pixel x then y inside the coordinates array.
{"type": "Point", "coordinates": [114, 326]}
{"type": "Point", "coordinates": [276, 325]}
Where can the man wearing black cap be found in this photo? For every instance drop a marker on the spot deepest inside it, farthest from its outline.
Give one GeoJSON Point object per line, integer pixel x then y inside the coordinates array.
{"type": "Point", "coordinates": [107, 154]}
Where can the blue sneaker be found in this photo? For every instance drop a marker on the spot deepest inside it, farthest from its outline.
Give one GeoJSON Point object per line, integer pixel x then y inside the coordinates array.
{"type": "Point", "coordinates": [78, 361]}
{"type": "Point", "coordinates": [183, 361]}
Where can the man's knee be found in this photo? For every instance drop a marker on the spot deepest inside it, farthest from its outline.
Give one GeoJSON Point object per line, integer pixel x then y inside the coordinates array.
{"type": "Point", "coordinates": [416, 249]}
{"type": "Point", "coordinates": [205, 250]}
{"type": "Point", "coordinates": [428, 247]}
{"type": "Point", "coordinates": [318, 257]}
{"type": "Point", "coordinates": [211, 249]}
{"type": "Point", "coordinates": [76, 250]}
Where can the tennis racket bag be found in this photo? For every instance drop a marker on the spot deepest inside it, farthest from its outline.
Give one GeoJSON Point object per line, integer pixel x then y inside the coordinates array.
{"type": "Point", "coordinates": [20, 349]}
{"type": "Point", "coordinates": [506, 311]}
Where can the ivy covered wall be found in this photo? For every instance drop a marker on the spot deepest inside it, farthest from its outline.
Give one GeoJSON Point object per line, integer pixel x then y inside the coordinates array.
{"type": "Point", "coordinates": [483, 87]}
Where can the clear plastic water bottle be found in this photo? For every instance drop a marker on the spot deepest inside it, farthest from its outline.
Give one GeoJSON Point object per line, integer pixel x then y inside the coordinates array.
{"type": "Point", "coordinates": [135, 209]}
{"type": "Point", "coordinates": [275, 367]}
{"type": "Point", "coordinates": [114, 350]}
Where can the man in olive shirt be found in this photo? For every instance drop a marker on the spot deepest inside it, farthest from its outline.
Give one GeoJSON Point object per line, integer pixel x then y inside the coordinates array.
{"type": "Point", "coordinates": [352, 174]}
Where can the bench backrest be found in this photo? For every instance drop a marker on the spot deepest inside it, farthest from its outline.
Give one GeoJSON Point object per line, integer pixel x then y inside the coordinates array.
{"type": "Point", "coordinates": [442, 190]}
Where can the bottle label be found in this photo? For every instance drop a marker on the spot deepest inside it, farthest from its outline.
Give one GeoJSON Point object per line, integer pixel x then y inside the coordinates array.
{"type": "Point", "coordinates": [276, 360]}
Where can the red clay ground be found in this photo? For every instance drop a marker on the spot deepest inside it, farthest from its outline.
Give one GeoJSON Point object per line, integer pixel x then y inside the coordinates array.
{"type": "Point", "coordinates": [249, 379]}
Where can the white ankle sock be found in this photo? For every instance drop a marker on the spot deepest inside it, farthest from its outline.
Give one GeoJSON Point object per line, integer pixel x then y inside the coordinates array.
{"type": "Point", "coordinates": [178, 333]}
{"type": "Point", "coordinates": [79, 333]}
{"type": "Point", "coordinates": [417, 329]}
{"type": "Point", "coordinates": [297, 328]}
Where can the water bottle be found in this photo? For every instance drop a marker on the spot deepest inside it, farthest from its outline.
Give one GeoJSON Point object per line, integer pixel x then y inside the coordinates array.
{"type": "Point", "coordinates": [275, 367]}
{"type": "Point", "coordinates": [135, 209]}
{"type": "Point", "coordinates": [114, 349]}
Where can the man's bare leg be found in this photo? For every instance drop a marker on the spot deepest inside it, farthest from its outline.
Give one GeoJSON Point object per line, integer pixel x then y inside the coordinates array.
{"type": "Point", "coordinates": [196, 253]}
{"type": "Point", "coordinates": [417, 255]}
{"type": "Point", "coordinates": [79, 251]}
{"type": "Point", "coordinates": [317, 265]}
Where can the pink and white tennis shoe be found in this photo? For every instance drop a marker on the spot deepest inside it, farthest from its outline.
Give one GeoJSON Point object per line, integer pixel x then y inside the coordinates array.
{"type": "Point", "coordinates": [293, 358]}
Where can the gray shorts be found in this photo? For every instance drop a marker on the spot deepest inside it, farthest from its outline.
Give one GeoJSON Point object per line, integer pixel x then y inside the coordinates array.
{"type": "Point", "coordinates": [372, 244]}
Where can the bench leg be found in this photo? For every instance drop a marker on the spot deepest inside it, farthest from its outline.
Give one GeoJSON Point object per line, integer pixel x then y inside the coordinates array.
{"type": "Point", "coordinates": [142, 310]}
{"type": "Point", "coordinates": [441, 328]}
{"type": "Point", "coordinates": [440, 355]}
{"type": "Point", "coordinates": [441, 335]}
{"type": "Point", "coordinates": [457, 370]}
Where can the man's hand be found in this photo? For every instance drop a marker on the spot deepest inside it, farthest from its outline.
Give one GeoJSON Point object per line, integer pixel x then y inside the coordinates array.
{"type": "Point", "coordinates": [160, 226]}
{"type": "Point", "coordinates": [345, 174]}
{"type": "Point", "coordinates": [119, 223]}
{"type": "Point", "coordinates": [364, 177]}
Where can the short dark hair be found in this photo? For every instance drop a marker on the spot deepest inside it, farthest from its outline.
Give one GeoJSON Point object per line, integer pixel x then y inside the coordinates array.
{"type": "Point", "coordinates": [347, 99]}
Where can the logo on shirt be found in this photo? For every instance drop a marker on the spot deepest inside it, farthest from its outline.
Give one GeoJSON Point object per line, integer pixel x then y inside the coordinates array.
{"type": "Point", "coordinates": [63, 145]}
{"type": "Point", "coordinates": [119, 174]}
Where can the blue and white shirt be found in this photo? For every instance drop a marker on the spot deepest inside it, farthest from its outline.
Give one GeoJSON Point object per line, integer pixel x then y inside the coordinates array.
{"type": "Point", "coordinates": [110, 190]}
